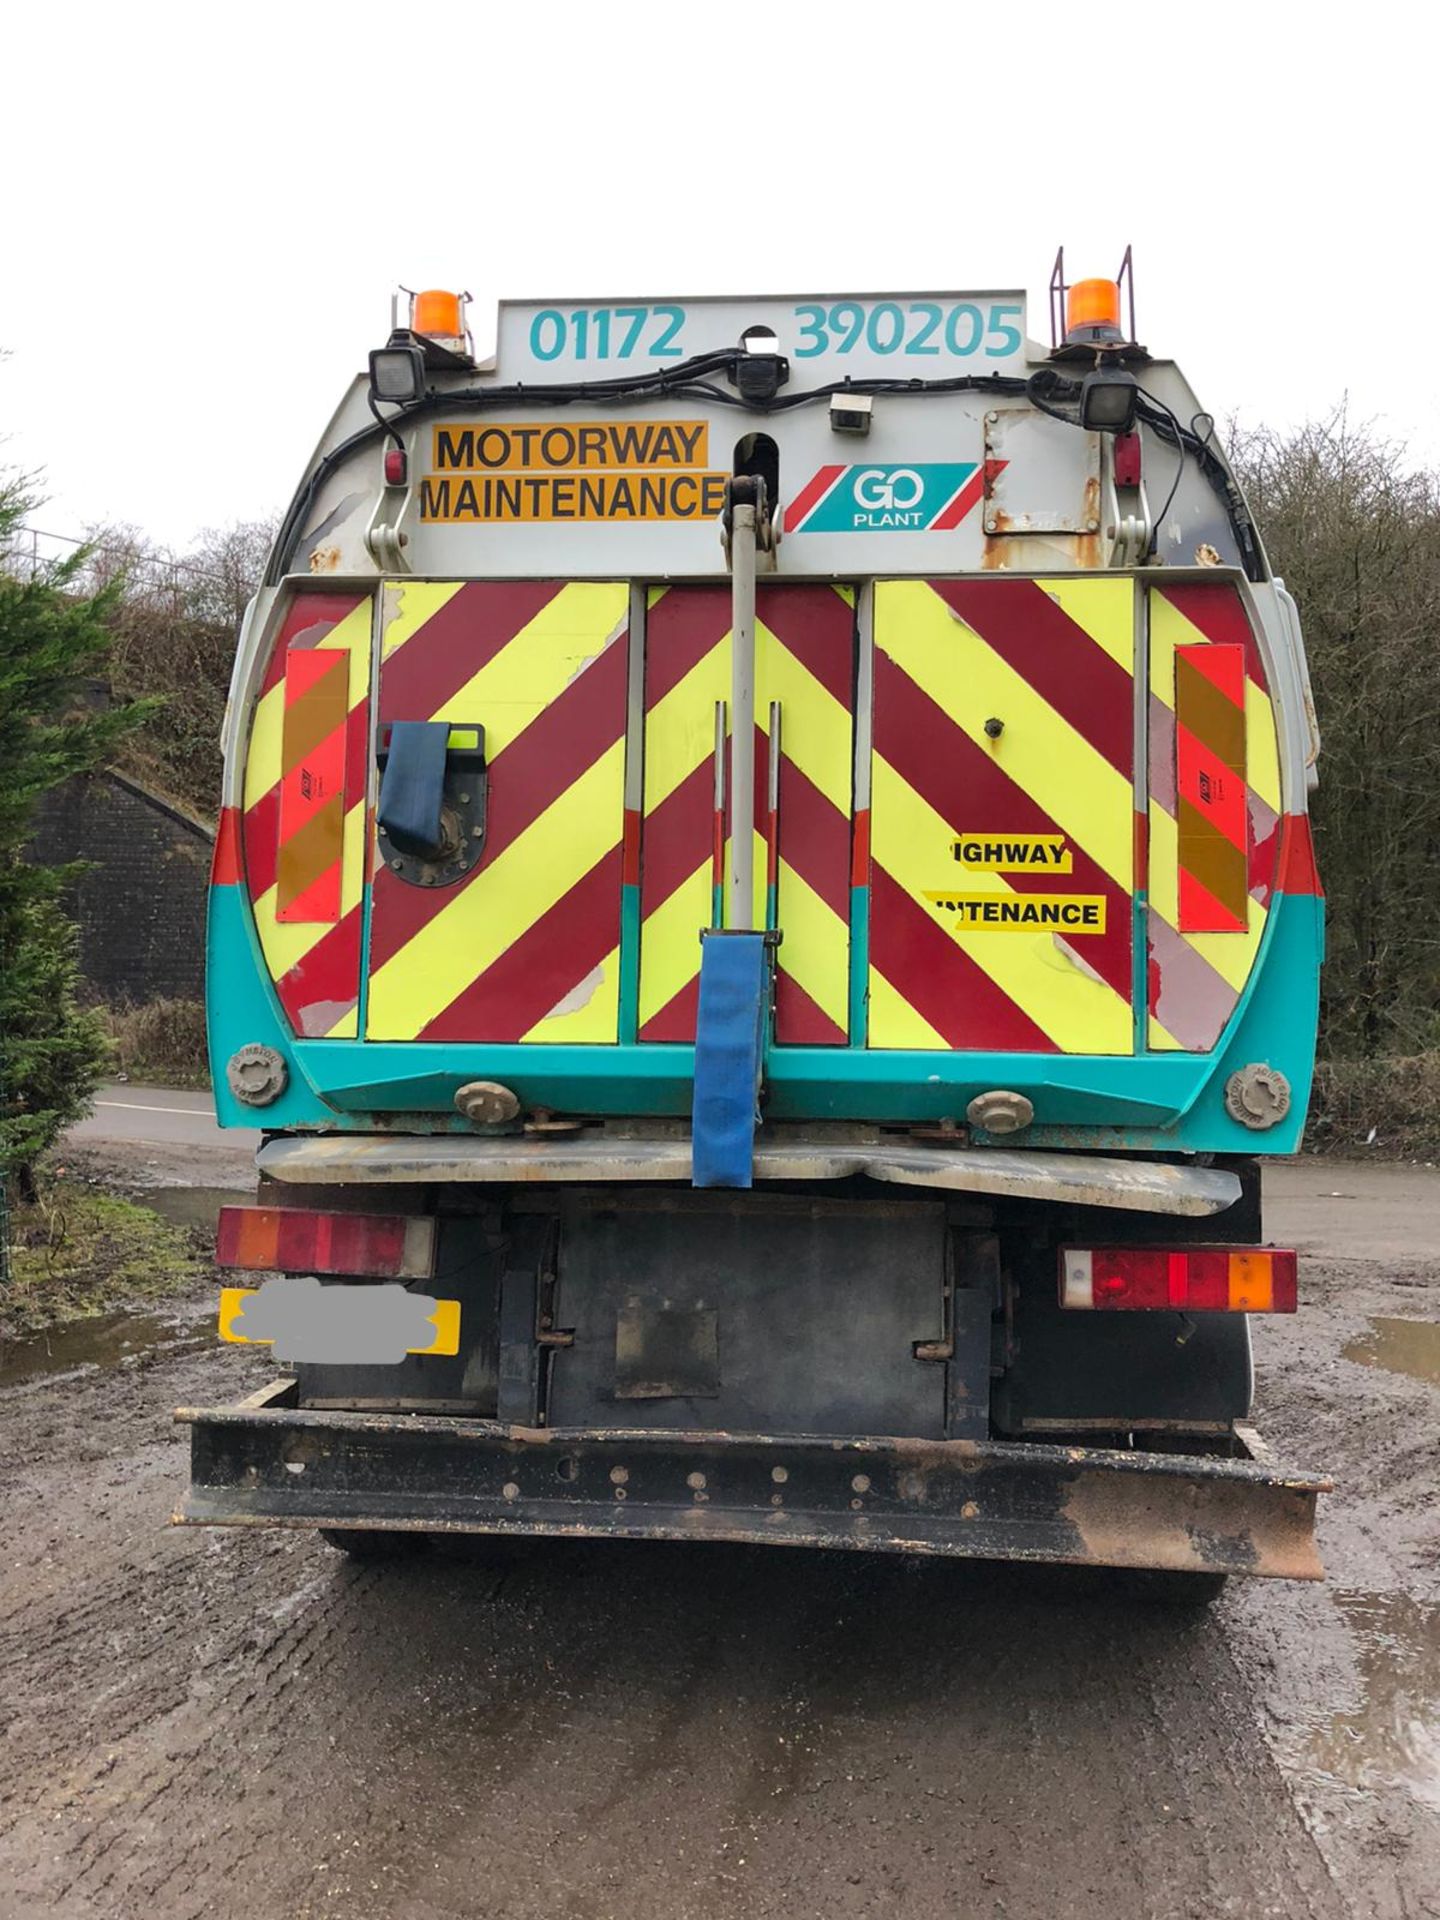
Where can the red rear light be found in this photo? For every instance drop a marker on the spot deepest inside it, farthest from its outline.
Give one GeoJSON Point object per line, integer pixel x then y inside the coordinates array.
{"type": "Point", "coordinates": [1127, 459]}
{"type": "Point", "coordinates": [389, 1246]}
{"type": "Point", "coordinates": [1187, 1280]}
{"type": "Point", "coordinates": [396, 466]}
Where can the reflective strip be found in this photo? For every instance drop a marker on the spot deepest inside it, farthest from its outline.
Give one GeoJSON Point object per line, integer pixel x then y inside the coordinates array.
{"type": "Point", "coordinates": [1212, 820]}
{"type": "Point", "coordinates": [312, 785]}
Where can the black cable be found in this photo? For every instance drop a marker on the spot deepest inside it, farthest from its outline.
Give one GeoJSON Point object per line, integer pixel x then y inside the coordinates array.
{"type": "Point", "coordinates": [1052, 393]}
{"type": "Point", "coordinates": [1162, 421]}
{"type": "Point", "coordinates": [385, 426]}
{"type": "Point", "coordinates": [679, 382]}
{"type": "Point", "coordinates": [1047, 389]}
{"type": "Point", "coordinates": [1159, 519]}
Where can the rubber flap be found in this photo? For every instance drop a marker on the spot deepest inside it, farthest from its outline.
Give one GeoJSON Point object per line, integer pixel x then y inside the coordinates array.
{"type": "Point", "coordinates": [412, 789]}
{"type": "Point", "coordinates": [729, 1050]}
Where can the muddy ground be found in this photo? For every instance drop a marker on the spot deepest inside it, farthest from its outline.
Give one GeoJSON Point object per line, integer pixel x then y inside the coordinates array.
{"type": "Point", "coordinates": [229, 1724]}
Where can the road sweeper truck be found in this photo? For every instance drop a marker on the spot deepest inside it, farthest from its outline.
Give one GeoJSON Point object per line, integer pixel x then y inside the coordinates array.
{"type": "Point", "coordinates": [764, 907]}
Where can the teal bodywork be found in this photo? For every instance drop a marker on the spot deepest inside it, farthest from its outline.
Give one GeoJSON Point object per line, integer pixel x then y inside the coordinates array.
{"type": "Point", "coordinates": [1153, 1102]}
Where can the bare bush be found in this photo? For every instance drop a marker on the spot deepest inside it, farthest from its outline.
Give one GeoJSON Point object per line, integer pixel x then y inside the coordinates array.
{"type": "Point", "coordinates": [1390, 1108]}
{"type": "Point", "coordinates": [1355, 531]}
{"type": "Point", "coordinates": [175, 626]}
{"type": "Point", "coordinates": [161, 1040]}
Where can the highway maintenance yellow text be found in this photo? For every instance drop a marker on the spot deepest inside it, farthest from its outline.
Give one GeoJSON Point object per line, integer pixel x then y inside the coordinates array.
{"type": "Point", "coordinates": [1023, 912]}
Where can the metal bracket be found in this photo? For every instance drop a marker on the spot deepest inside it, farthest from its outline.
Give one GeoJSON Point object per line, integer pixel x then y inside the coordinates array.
{"type": "Point", "coordinates": [748, 490]}
{"type": "Point", "coordinates": [387, 546]}
{"type": "Point", "coordinates": [384, 541]}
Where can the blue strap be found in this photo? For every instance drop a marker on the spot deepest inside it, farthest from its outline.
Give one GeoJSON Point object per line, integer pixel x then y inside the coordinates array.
{"type": "Point", "coordinates": [729, 1054]}
{"type": "Point", "coordinates": [412, 790]}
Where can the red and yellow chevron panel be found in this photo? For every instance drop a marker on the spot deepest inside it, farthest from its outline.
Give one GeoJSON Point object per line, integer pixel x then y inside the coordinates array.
{"type": "Point", "coordinates": [1212, 868]}
{"type": "Point", "coordinates": [1212, 822]}
{"type": "Point", "coordinates": [804, 660]}
{"type": "Point", "coordinates": [312, 785]}
{"type": "Point", "coordinates": [1001, 837]}
{"type": "Point", "coordinates": [303, 828]}
{"type": "Point", "coordinates": [525, 946]}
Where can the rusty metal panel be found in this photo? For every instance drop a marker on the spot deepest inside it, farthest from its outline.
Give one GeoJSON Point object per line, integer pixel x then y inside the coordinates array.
{"type": "Point", "coordinates": [1041, 475]}
{"type": "Point", "coordinates": [996, 1500]}
{"type": "Point", "coordinates": [736, 1319]}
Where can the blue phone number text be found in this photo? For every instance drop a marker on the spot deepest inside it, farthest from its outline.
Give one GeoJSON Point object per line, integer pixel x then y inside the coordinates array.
{"type": "Point", "coordinates": [922, 329]}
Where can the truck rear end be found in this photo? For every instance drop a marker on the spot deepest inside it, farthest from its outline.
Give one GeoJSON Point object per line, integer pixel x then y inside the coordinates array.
{"type": "Point", "coordinates": [765, 906]}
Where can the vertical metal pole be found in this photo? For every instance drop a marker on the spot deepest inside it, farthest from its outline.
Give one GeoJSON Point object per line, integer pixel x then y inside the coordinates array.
{"type": "Point", "coordinates": [742, 717]}
{"type": "Point", "coordinates": [772, 822]}
{"type": "Point", "coordinates": [717, 825]}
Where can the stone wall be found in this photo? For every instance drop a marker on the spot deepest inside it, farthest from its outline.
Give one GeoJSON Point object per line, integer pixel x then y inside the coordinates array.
{"type": "Point", "coordinates": [141, 905]}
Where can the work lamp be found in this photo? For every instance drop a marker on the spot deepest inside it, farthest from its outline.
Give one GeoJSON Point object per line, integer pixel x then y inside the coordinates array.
{"type": "Point", "coordinates": [1108, 398]}
{"type": "Point", "coordinates": [397, 374]}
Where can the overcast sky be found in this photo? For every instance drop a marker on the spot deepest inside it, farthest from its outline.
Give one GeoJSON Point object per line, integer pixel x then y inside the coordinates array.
{"type": "Point", "coordinates": [207, 207]}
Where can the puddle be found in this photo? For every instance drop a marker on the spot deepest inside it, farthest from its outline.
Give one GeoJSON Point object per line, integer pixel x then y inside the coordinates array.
{"type": "Point", "coordinates": [102, 1341]}
{"type": "Point", "coordinates": [107, 1339]}
{"type": "Point", "coordinates": [191, 1206]}
{"type": "Point", "coordinates": [1400, 1346]}
{"type": "Point", "coordinates": [1393, 1738]}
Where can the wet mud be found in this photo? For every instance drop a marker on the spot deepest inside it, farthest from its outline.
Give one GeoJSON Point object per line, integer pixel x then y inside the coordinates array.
{"type": "Point", "coordinates": [239, 1723]}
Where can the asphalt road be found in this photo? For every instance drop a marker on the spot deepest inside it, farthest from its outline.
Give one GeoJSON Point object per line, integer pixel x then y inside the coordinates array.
{"type": "Point", "coordinates": [157, 1116]}
{"type": "Point", "coordinates": [244, 1724]}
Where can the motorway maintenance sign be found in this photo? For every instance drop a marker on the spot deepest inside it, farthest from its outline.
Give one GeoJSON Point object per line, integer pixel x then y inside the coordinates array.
{"type": "Point", "coordinates": [544, 470]}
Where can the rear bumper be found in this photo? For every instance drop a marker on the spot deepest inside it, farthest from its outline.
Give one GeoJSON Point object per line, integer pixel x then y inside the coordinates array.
{"type": "Point", "coordinates": [264, 1463]}
{"type": "Point", "coordinates": [1074, 1179]}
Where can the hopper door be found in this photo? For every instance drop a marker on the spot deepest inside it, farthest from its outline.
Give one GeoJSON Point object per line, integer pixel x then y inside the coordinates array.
{"type": "Point", "coordinates": [524, 683]}
{"type": "Point", "coordinates": [1002, 825]}
{"type": "Point", "coordinates": [805, 678]}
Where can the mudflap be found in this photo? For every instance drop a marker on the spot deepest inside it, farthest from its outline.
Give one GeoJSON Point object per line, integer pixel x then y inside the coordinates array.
{"type": "Point", "coordinates": [265, 1463]}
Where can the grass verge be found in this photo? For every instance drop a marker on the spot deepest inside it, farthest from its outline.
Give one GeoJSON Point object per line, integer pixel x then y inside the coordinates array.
{"type": "Point", "coordinates": [160, 1043]}
{"type": "Point", "coordinates": [80, 1249]}
{"type": "Point", "coordinates": [1388, 1107]}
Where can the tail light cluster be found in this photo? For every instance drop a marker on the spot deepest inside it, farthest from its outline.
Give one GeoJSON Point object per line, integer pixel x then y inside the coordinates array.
{"type": "Point", "coordinates": [388, 1246]}
{"type": "Point", "coordinates": [1187, 1280]}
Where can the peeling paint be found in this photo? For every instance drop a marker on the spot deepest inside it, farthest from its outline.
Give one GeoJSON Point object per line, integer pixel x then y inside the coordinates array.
{"type": "Point", "coordinates": [580, 995]}
{"type": "Point", "coordinates": [1192, 1001]}
{"type": "Point", "coordinates": [321, 1017]}
{"type": "Point", "coordinates": [1077, 959]}
{"type": "Point", "coordinates": [615, 634]}
{"type": "Point", "coordinates": [343, 511]}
